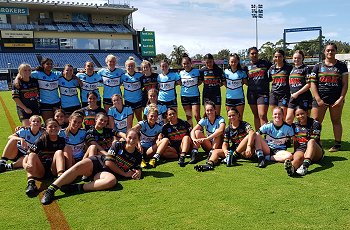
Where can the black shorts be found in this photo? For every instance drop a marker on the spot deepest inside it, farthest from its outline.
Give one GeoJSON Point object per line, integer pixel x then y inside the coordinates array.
{"type": "Point", "coordinates": [210, 96]}
{"type": "Point", "coordinates": [190, 100]}
{"type": "Point", "coordinates": [329, 99]}
{"type": "Point", "coordinates": [23, 115]}
{"type": "Point", "coordinates": [107, 101]}
{"type": "Point", "coordinates": [98, 164]}
{"type": "Point", "coordinates": [168, 104]}
{"type": "Point", "coordinates": [274, 151]}
{"type": "Point", "coordinates": [255, 98]}
{"type": "Point", "coordinates": [176, 146]}
{"type": "Point", "coordinates": [301, 102]}
{"type": "Point", "coordinates": [279, 99]}
{"type": "Point", "coordinates": [70, 110]}
{"type": "Point", "coordinates": [234, 102]}
{"type": "Point", "coordinates": [47, 163]}
{"type": "Point", "coordinates": [144, 99]}
{"type": "Point", "coordinates": [49, 107]}
{"type": "Point", "coordinates": [135, 105]}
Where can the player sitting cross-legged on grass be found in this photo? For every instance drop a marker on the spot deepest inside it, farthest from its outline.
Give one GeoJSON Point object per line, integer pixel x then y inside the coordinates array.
{"type": "Point", "coordinates": [178, 133]}
{"type": "Point", "coordinates": [45, 156]}
{"type": "Point", "coordinates": [123, 159]}
{"type": "Point", "coordinates": [242, 137]}
{"type": "Point", "coordinates": [214, 125]}
{"type": "Point", "coordinates": [19, 143]}
{"type": "Point", "coordinates": [307, 145]}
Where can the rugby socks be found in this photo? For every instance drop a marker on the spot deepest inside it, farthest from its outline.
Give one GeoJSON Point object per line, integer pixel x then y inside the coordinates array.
{"type": "Point", "coordinates": [259, 153]}
{"type": "Point", "coordinates": [236, 154]}
{"type": "Point", "coordinates": [307, 162]}
{"type": "Point", "coordinates": [157, 156]}
{"type": "Point", "coordinates": [183, 154]}
{"type": "Point", "coordinates": [31, 180]}
{"type": "Point", "coordinates": [9, 166]}
{"type": "Point", "coordinates": [4, 158]}
{"type": "Point", "coordinates": [53, 188]}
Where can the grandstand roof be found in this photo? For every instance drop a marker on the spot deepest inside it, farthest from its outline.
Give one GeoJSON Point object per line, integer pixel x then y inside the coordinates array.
{"type": "Point", "coordinates": [69, 6]}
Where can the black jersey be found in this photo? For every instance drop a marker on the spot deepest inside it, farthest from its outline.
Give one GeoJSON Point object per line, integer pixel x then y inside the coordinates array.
{"type": "Point", "coordinates": [328, 78]}
{"type": "Point", "coordinates": [212, 79]}
{"type": "Point", "coordinates": [28, 93]}
{"type": "Point", "coordinates": [104, 138]}
{"type": "Point", "coordinates": [258, 80]}
{"type": "Point", "coordinates": [235, 136]}
{"type": "Point", "coordinates": [176, 133]}
{"type": "Point", "coordinates": [312, 130]}
{"type": "Point", "coordinates": [279, 78]}
{"type": "Point", "coordinates": [47, 148]}
{"type": "Point", "coordinates": [90, 115]}
{"type": "Point", "coordinates": [298, 78]}
{"type": "Point", "coordinates": [123, 159]}
{"type": "Point", "coordinates": [149, 82]}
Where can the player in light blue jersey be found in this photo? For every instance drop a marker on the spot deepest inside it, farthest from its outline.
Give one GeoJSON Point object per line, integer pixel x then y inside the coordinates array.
{"type": "Point", "coordinates": [48, 88]}
{"type": "Point", "coordinates": [69, 90]}
{"type": "Point", "coordinates": [74, 136]}
{"type": "Point", "coordinates": [167, 82]}
{"type": "Point", "coordinates": [214, 125]}
{"type": "Point", "coordinates": [190, 98]}
{"type": "Point", "coordinates": [111, 80]}
{"type": "Point", "coordinates": [235, 78]}
{"type": "Point", "coordinates": [133, 88]}
{"type": "Point", "coordinates": [119, 116]}
{"type": "Point", "coordinates": [152, 102]}
{"type": "Point", "coordinates": [277, 136]}
{"type": "Point", "coordinates": [19, 143]}
{"type": "Point", "coordinates": [151, 139]}
{"type": "Point", "coordinates": [90, 81]}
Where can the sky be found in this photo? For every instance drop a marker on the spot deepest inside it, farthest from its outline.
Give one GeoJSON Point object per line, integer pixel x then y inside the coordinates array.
{"type": "Point", "coordinates": [208, 26]}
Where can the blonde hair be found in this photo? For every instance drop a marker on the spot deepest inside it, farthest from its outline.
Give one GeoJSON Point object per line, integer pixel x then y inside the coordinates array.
{"type": "Point", "coordinates": [21, 68]}
{"type": "Point", "coordinates": [150, 91]}
{"type": "Point", "coordinates": [153, 109]}
{"type": "Point", "coordinates": [130, 60]}
{"type": "Point", "coordinates": [145, 62]}
{"type": "Point", "coordinates": [35, 117]}
{"type": "Point", "coordinates": [110, 57]}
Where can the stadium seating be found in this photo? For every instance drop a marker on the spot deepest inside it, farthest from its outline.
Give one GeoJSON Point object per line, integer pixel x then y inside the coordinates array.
{"type": "Point", "coordinates": [24, 27]}
{"type": "Point", "coordinates": [121, 58]}
{"type": "Point", "coordinates": [15, 59]}
{"type": "Point", "coordinates": [65, 27]}
{"type": "Point", "coordinates": [77, 60]}
{"type": "Point", "coordinates": [5, 26]}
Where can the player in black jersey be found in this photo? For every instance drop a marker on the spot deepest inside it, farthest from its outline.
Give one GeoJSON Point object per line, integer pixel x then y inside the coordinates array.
{"type": "Point", "coordinates": [178, 133]}
{"type": "Point", "coordinates": [329, 85]}
{"type": "Point", "coordinates": [45, 155]}
{"type": "Point", "coordinates": [307, 144]}
{"type": "Point", "coordinates": [299, 86]}
{"type": "Point", "coordinates": [123, 159]}
{"type": "Point", "coordinates": [213, 78]}
{"type": "Point", "coordinates": [91, 110]}
{"type": "Point", "coordinates": [258, 87]}
{"type": "Point", "coordinates": [25, 92]}
{"type": "Point", "coordinates": [148, 80]}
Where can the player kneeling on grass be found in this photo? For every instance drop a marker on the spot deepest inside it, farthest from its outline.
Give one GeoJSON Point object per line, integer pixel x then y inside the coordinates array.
{"type": "Point", "coordinates": [277, 135]}
{"type": "Point", "coordinates": [152, 143]}
{"type": "Point", "coordinates": [178, 133]}
{"type": "Point", "coordinates": [307, 146]}
{"type": "Point", "coordinates": [123, 159]}
{"type": "Point", "coordinates": [242, 137]}
{"type": "Point", "coordinates": [19, 143]}
{"type": "Point", "coordinates": [45, 155]}
{"type": "Point", "coordinates": [214, 125]}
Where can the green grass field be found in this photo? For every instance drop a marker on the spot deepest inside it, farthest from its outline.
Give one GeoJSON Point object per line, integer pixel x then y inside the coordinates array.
{"type": "Point", "coordinates": [170, 197]}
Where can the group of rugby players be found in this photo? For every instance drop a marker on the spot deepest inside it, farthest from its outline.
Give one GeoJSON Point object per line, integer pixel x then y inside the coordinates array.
{"type": "Point", "coordinates": [82, 140]}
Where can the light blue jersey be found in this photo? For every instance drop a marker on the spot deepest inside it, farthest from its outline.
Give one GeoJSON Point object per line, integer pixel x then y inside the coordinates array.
{"type": "Point", "coordinates": [28, 136]}
{"type": "Point", "coordinates": [111, 81]}
{"type": "Point", "coordinates": [68, 92]}
{"type": "Point", "coordinates": [234, 83]}
{"type": "Point", "coordinates": [167, 85]}
{"type": "Point", "coordinates": [90, 83]}
{"type": "Point", "coordinates": [161, 113]}
{"type": "Point", "coordinates": [132, 87]}
{"type": "Point", "coordinates": [189, 83]}
{"type": "Point", "coordinates": [48, 86]}
{"type": "Point", "coordinates": [120, 118]}
{"type": "Point", "coordinates": [75, 141]}
{"type": "Point", "coordinates": [211, 127]}
{"type": "Point", "coordinates": [276, 137]}
{"type": "Point", "coordinates": [149, 134]}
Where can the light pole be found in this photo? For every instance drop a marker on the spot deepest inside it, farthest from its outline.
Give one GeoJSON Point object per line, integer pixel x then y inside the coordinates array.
{"type": "Point", "coordinates": [257, 12]}
{"type": "Point", "coordinates": [9, 69]}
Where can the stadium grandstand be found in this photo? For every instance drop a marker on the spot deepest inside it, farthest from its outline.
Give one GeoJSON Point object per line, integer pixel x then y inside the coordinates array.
{"type": "Point", "coordinates": [67, 32]}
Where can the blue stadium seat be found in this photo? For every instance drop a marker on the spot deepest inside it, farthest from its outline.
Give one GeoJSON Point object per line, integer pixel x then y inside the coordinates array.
{"type": "Point", "coordinates": [77, 60]}
{"type": "Point", "coordinates": [15, 59]}
{"type": "Point", "coordinates": [121, 58]}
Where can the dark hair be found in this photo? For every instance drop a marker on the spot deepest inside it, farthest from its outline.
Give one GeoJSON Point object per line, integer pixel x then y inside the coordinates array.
{"type": "Point", "coordinates": [283, 54]}
{"type": "Point", "coordinates": [239, 67]}
{"type": "Point", "coordinates": [185, 55]}
{"type": "Point", "coordinates": [59, 111]}
{"type": "Point", "coordinates": [331, 44]}
{"type": "Point", "coordinates": [208, 56]}
{"type": "Point", "coordinates": [92, 93]}
{"type": "Point", "coordinates": [209, 102]}
{"type": "Point", "coordinates": [280, 108]}
{"type": "Point", "coordinates": [165, 61]}
{"type": "Point", "coordinates": [45, 135]}
{"type": "Point", "coordinates": [134, 130]}
{"type": "Point", "coordinates": [253, 48]}
{"type": "Point", "coordinates": [301, 53]}
{"type": "Point", "coordinates": [300, 107]}
{"type": "Point", "coordinates": [235, 110]}
{"type": "Point", "coordinates": [42, 63]}
{"type": "Point", "coordinates": [171, 109]}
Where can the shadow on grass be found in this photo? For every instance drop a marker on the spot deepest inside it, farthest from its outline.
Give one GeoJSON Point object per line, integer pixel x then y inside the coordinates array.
{"type": "Point", "coordinates": [327, 143]}
{"type": "Point", "coordinates": [326, 163]}
{"type": "Point", "coordinates": [156, 174]}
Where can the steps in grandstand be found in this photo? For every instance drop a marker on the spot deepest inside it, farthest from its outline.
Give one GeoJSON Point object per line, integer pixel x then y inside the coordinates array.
{"type": "Point", "coordinates": [95, 61]}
